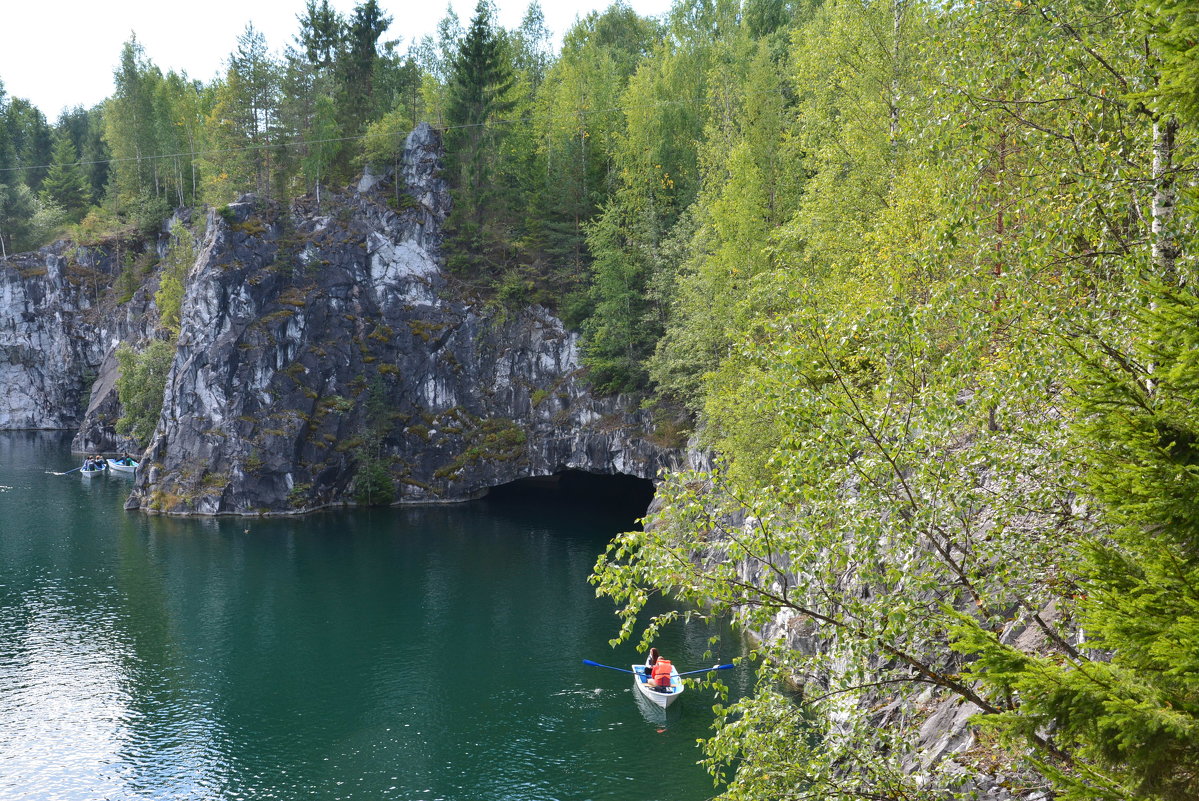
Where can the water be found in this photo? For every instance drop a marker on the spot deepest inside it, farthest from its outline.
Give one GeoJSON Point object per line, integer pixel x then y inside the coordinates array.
{"type": "Point", "coordinates": [428, 653]}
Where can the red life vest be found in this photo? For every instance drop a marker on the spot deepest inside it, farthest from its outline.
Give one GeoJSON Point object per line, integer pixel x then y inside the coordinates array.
{"type": "Point", "coordinates": [661, 674]}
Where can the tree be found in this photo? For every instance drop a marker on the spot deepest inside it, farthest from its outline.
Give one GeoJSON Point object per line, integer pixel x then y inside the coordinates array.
{"type": "Point", "coordinates": [172, 281]}
{"type": "Point", "coordinates": [356, 67]}
{"type": "Point", "coordinates": [86, 130]}
{"type": "Point", "coordinates": [131, 129]}
{"type": "Point", "coordinates": [30, 140]}
{"type": "Point", "coordinates": [656, 157]}
{"type": "Point", "coordinates": [435, 57]}
{"type": "Point", "coordinates": [140, 387]}
{"type": "Point", "coordinates": [1122, 708]}
{"type": "Point", "coordinates": [480, 81]}
{"type": "Point", "coordinates": [65, 183]}
{"type": "Point", "coordinates": [321, 33]}
{"type": "Point", "coordinates": [243, 123]}
{"type": "Point", "coordinates": [578, 122]}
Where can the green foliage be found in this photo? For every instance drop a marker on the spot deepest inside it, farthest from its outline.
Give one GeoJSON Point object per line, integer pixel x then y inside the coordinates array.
{"type": "Point", "coordinates": [373, 485]}
{"type": "Point", "coordinates": [173, 279]}
{"type": "Point", "coordinates": [65, 183]}
{"type": "Point", "coordinates": [479, 95]}
{"type": "Point", "coordinates": [140, 387]}
{"type": "Point", "coordinates": [1125, 710]}
{"type": "Point", "coordinates": [241, 124]}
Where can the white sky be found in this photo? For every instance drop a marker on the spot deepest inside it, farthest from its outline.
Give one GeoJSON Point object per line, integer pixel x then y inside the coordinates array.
{"type": "Point", "coordinates": [61, 53]}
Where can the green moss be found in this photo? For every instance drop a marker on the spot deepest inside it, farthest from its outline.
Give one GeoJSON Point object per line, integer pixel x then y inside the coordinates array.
{"type": "Point", "coordinates": [252, 226]}
{"type": "Point", "coordinates": [297, 497]}
{"type": "Point", "coordinates": [495, 440]}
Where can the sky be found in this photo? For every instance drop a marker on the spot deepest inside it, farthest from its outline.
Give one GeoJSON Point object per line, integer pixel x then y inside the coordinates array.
{"type": "Point", "coordinates": [62, 54]}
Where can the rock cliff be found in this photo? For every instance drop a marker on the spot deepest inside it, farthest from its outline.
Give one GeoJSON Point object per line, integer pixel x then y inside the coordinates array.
{"type": "Point", "coordinates": [53, 334]}
{"type": "Point", "coordinates": [324, 358]}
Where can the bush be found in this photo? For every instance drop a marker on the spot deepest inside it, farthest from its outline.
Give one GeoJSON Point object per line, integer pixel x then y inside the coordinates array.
{"type": "Point", "coordinates": [140, 386]}
{"type": "Point", "coordinates": [373, 485]}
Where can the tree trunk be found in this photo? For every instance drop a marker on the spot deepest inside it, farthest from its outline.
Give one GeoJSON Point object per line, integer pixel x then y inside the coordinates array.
{"type": "Point", "coordinates": [1164, 244]}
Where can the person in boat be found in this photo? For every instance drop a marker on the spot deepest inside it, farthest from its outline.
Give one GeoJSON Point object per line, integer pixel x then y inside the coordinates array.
{"type": "Point", "coordinates": [659, 677]}
{"type": "Point", "coordinates": [652, 658]}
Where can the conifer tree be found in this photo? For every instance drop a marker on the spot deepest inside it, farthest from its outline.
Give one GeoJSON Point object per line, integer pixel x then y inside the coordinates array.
{"type": "Point", "coordinates": [356, 65]}
{"type": "Point", "coordinates": [480, 81]}
{"type": "Point", "coordinates": [65, 183]}
{"type": "Point", "coordinates": [321, 33]}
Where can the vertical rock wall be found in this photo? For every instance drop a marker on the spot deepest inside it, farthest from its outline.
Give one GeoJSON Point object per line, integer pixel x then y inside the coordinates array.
{"type": "Point", "coordinates": [324, 357]}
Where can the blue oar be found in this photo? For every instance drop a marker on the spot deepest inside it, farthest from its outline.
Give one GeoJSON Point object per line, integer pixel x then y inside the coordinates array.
{"type": "Point", "coordinates": [688, 673]}
{"type": "Point", "coordinates": [705, 670]}
{"type": "Point", "coordinates": [80, 467]}
{"type": "Point", "coordinates": [609, 667]}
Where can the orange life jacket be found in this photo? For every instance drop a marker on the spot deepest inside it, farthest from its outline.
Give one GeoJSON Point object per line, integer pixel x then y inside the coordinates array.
{"type": "Point", "coordinates": [661, 674]}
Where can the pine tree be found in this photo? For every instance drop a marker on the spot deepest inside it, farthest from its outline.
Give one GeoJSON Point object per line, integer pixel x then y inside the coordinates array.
{"type": "Point", "coordinates": [480, 81]}
{"type": "Point", "coordinates": [321, 32]}
{"type": "Point", "coordinates": [356, 66]}
{"type": "Point", "coordinates": [65, 183]}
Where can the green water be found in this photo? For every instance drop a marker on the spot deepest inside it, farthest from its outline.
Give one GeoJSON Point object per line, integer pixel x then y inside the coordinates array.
{"type": "Point", "coordinates": [428, 653]}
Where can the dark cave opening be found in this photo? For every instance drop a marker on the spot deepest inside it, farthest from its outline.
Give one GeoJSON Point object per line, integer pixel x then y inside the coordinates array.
{"type": "Point", "coordinates": [618, 495]}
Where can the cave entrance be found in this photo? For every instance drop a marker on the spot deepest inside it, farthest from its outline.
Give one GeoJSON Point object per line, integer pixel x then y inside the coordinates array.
{"type": "Point", "coordinates": [620, 495]}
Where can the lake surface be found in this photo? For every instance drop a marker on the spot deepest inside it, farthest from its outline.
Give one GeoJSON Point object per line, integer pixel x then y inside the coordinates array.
{"type": "Point", "coordinates": [424, 653]}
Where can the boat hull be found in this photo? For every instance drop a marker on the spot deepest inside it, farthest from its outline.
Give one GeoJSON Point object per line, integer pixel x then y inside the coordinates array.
{"type": "Point", "coordinates": [662, 698]}
{"type": "Point", "coordinates": [113, 464]}
{"type": "Point", "coordinates": [89, 473]}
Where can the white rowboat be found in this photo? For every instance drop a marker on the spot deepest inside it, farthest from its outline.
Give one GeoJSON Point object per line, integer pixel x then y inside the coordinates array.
{"type": "Point", "coordinates": [120, 466]}
{"type": "Point", "coordinates": [663, 696]}
{"type": "Point", "coordinates": [91, 471]}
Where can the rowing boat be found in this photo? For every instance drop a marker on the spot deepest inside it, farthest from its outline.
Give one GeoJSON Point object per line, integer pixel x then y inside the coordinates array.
{"type": "Point", "coordinates": [94, 469]}
{"type": "Point", "coordinates": [122, 465]}
{"type": "Point", "coordinates": [662, 696]}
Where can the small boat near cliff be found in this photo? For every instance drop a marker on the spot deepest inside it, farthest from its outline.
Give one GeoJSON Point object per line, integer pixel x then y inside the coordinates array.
{"type": "Point", "coordinates": [90, 469]}
{"type": "Point", "coordinates": [662, 696]}
{"type": "Point", "coordinates": [124, 465]}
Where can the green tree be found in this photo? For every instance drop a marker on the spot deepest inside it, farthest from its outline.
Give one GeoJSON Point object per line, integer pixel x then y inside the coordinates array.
{"type": "Point", "coordinates": [241, 128]}
{"type": "Point", "coordinates": [140, 387]}
{"type": "Point", "coordinates": [356, 67]}
{"type": "Point", "coordinates": [479, 96]}
{"type": "Point", "coordinates": [66, 183]}
{"type": "Point", "coordinates": [131, 130]}
{"type": "Point", "coordinates": [1122, 709]}
{"type": "Point", "coordinates": [577, 122]}
{"type": "Point", "coordinates": [86, 129]}
{"type": "Point", "coordinates": [172, 280]}
{"type": "Point", "coordinates": [16, 217]}
{"type": "Point", "coordinates": [657, 161]}
{"type": "Point", "coordinates": [30, 139]}
{"type": "Point", "coordinates": [435, 58]}
{"type": "Point", "coordinates": [322, 30]}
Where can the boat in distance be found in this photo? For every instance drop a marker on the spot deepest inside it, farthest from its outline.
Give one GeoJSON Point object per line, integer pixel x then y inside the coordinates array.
{"type": "Point", "coordinates": [122, 465]}
{"type": "Point", "coordinates": [662, 696]}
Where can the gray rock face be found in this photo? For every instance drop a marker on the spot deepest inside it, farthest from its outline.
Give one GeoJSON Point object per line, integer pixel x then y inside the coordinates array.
{"type": "Point", "coordinates": [51, 335]}
{"type": "Point", "coordinates": [322, 358]}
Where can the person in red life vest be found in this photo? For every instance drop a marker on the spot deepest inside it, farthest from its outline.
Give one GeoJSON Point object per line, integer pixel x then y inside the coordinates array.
{"type": "Point", "coordinates": [660, 678]}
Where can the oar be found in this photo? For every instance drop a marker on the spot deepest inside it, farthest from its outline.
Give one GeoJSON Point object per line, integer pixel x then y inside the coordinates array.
{"type": "Point", "coordinates": [705, 670]}
{"type": "Point", "coordinates": [80, 467]}
{"type": "Point", "coordinates": [688, 673]}
{"type": "Point", "coordinates": [609, 667]}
